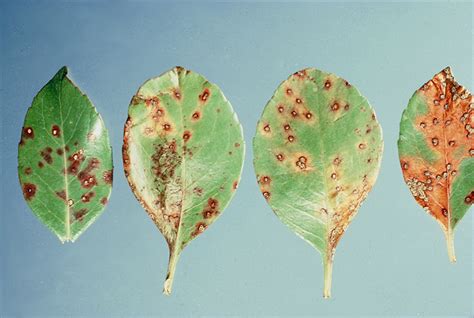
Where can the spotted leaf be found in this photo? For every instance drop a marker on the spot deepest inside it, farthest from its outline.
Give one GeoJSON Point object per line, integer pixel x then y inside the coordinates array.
{"type": "Point", "coordinates": [436, 149]}
{"type": "Point", "coordinates": [183, 152]}
{"type": "Point", "coordinates": [317, 153]}
{"type": "Point", "coordinates": [64, 159]}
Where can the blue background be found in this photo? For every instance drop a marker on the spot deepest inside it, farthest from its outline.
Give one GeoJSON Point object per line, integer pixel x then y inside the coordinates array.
{"type": "Point", "coordinates": [391, 261]}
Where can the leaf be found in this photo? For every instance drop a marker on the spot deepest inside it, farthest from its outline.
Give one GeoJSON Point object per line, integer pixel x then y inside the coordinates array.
{"type": "Point", "coordinates": [183, 153]}
{"type": "Point", "coordinates": [436, 149]}
{"type": "Point", "coordinates": [317, 153]}
{"type": "Point", "coordinates": [65, 159]}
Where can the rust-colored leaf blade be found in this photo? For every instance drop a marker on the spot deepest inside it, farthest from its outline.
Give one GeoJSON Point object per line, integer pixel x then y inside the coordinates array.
{"type": "Point", "coordinates": [436, 150]}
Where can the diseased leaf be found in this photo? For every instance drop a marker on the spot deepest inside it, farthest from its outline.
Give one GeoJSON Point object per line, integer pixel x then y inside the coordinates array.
{"type": "Point", "coordinates": [65, 159]}
{"type": "Point", "coordinates": [436, 149]}
{"type": "Point", "coordinates": [183, 153]}
{"type": "Point", "coordinates": [317, 153]}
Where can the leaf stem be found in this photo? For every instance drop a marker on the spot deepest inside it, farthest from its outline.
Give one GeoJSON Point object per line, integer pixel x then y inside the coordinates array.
{"type": "Point", "coordinates": [327, 277]}
{"type": "Point", "coordinates": [173, 260]}
{"type": "Point", "coordinates": [450, 244]}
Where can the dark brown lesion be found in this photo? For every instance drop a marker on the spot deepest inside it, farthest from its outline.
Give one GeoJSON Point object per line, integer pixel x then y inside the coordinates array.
{"type": "Point", "coordinates": [86, 197]}
{"type": "Point", "coordinates": [28, 133]}
{"type": "Point", "coordinates": [186, 135]}
{"type": "Point", "coordinates": [211, 210]}
{"type": "Point", "coordinates": [86, 178]}
{"type": "Point", "coordinates": [56, 131]}
{"type": "Point", "coordinates": [29, 191]}
{"type": "Point", "coordinates": [80, 214]}
{"type": "Point", "coordinates": [204, 96]}
{"type": "Point", "coordinates": [75, 161]}
{"type": "Point", "coordinates": [108, 176]}
{"type": "Point", "coordinates": [46, 155]}
{"type": "Point", "coordinates": [199, 228]}
{"type": "Point", "coordinates": [469, 198]}
{"type": "Point", "coordinates": [62, 195]}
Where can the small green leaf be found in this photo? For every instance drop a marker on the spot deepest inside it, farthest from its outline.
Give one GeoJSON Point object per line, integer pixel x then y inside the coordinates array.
{"type": "Point", "coordinates": [436, 150]}
{"type": "Point", "coordinates": [65, 159]}
{"type": "Point", "coordinates": [317, 153]}
{"type": "Point", "coordinates": [183, 153]}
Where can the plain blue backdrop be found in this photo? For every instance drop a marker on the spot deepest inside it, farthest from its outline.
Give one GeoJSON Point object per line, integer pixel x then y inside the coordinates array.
{"type": "Point", "coordinates": [392, 260]}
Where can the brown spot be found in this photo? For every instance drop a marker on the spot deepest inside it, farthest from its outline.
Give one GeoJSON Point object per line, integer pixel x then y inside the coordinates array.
{"type": "Point", "coordinates": [236, 145]}
{"type": "Point", "coordinates": [423, 125]}
{"type": "Point", "coordinates": [196, 115]}
{"type": "Point", "coordinates": [334, 107]}
{"type": "Point", "coordinates": [265, 180]}
{"type": "Point", "coordinates": [85, 177]}
{"type": "Point", "coordinates": [86, 197]}
{"type": "Point", "coordinates": [165, 161]}
{"type": "Point", "coordinates": [266, 128]}
{"type": "Point", "coordinates": [298, 101]}
{"type": "Point", "coordinates": [444, 211]}
{"type": "Point", "coordinates": [56, 131]}
{"type": "Point", "coordinates": [308, 115]}
{"type": "Point", "coordinates": [435, 141]}
{"type": "Point", "coordinates": [301, 162]}
{"type": "Point", "coordinates": [211, 210]}
{"type": "Point", "coordinates": [291, 138]}
{"type": "Point", "coordinates": [60, 151]}
{"type": "Point", "coordinates": [40, 164]}
{"type": "Point", "coordinates": [235, 185]}
{"type": "Point", "coordinates": [368, 130]}
{"type": "Point", "coordinates": [404, 165]}
{"type": "Point", "coordinates": [327, 84]}
{"type": "Point", "coordinates": [280, 157]}
{"type": "Point", "coordinates": [75, 161]}
{"type": "Point", "coordinates": [281, 109]}
{"type": "Point", "coordinates": [266, 195]}
{"type": "Point", "coordinates": [28, 170]}
{"type": "Point", "coordinates": [337, 161]}
{"type": "Point", "coordinates": [200, 227]}
{"type": "Point", "coordinates": [29, 191]}
{"type": "Point", "coordinates": [177, 94]}
{"type": "Point", "coordinates": [347, 84]}
{"type": "Point", "coordinates": [104, 201]}
{"type": "Point", "coordinates": [289, 91]}
{"type": "Point", "coordinates": [469, 198]}
{"type": "Point", "coordinates": [197, 191]}
{"type": "Point", "coordinates": [108, 176]}
{"type": "Point", "coordinates": [62, 195]}
{"type": "Point", "coordinates": [28, 133]}
{"type": "Point", "coordinates": [151, 101]}
{"type": "Point", "coordinates": [452, 143]}
{"type": "Point", "coordinates": [435, 121]}
{"type": "Point", "coordinates": [186, 135]}
{"type": "Point", "coordinates": [46, 154]}
{"type": "Point", "coordinates": [80, 214]}
{"type": "Point", "coordinates": [346, 107]}
{"type": "Point", "coordinates": [212, 203]}
{"type": "Point", "coordinates": [362, 146]}
{"type": "Point", "coordinates": [287, 127]}
{"type": "Point", "coordinates": [204, 95]}
{"type": "Point", "coordinates": [294, 113]}
{"type": "Point", "coordinates": [167, 127]}
{"type": "Point", "coordinates": [333, 176]}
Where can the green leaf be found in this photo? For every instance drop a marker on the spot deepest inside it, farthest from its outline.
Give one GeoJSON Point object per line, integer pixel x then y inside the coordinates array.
{"type": "Point", "coordinates": [436, 149]}
{"type": "Point", "coordinates": [65, 159]}
{"type": "Point", "coordinates": [317, 153]}
{"type": "Point", "coordinates": [183, 154]}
